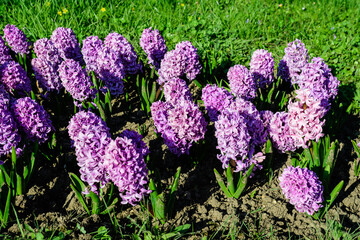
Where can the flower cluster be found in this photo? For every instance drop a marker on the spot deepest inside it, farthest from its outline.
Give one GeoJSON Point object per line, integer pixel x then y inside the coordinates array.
{"type": "Point", "coordinates": [153, 45]}
{"type": "Point", "coordinates": [176, 91]}
{"type": "Point", "coordinates": [47, 74]}
{"type": "Point", "coordinates": [9, 135]}
{"type": "Point", "coordinates": [90, 50]}
{"type": "Point", "coordinates": [279, 132]}
{"type": "Point", "coordinates": [90, 137]}
{"type": "Point", "coordinates": [179, 125]}
{"type": "Point", "coordinates": [65, 41]}
{"type": "Point", "coordinates": [233, 139]}
{"type": "Point", "coordinates": [111, 70]}
{"type": "Point", "coordinates": [262, 67]}
{"type": "Point", "coordinates": [16, 39]}
{"type": "Point", "coordinates": [14, 78]}
{"type": "Point", "coordinates": [124, 50]}
{"type": "Point", "coordinates": [46, 50]}
{"type": "Point", "coordinates": [216, 100]}
{"type": "Point", "coordinates": [316, 77]}
{"type": "Point", "coordinates": [76, 81]}
{"type": "Point", "coordinates": [183, 60]}
{"type": "Point", "coordinates": [4, 52]}
{"type": "Point", "coordinates": [305, 118]}
{"type": "Point", "coordinates": [125, 166]}
{"type": "Point", "coordinates": [242, 83]}
{"type": "Point", "coordinates": [296, 57]}
{"type": "Point", "coordinates": [303, 188]}
{"type": "Point", "coordinates": [32, 118]}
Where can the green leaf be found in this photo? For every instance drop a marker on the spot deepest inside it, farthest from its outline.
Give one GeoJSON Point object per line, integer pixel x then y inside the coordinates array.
{"type": "Point", "coordinates": [222, 184]}
{"type": "Point", "coordinates": [95, 203]}
{"type": "Point", "coordinates": [230, 180]}
{"type": "Point", "coordinates": [243, 181]}
{"type": "Point", "coordinates": [174, 185]}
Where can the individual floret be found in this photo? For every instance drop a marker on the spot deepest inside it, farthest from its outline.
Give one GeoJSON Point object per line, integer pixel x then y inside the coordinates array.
{"type": "Point", "coordinates": [303, 188]}
{"type": "Point", "coordinates": [16, 39]}
{"type": "Point", "coordinates": [14, 78]}
{"type": "Point", "coordinates": [154, 46]}
{"type": "Point", "coordinates": [262, 67]}
{"type": "Point", "coordinates": [76, 81]}
{"type": "Point", "coordinates": [242, 83]}
{"type": "Point", "coordinates": [215, 99]}
{"type": "Point", "coordinates": [32, 118]}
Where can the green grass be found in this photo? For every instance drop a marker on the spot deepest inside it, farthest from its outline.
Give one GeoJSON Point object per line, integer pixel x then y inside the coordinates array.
{"type": "Point", "coordinates": [225, 32]}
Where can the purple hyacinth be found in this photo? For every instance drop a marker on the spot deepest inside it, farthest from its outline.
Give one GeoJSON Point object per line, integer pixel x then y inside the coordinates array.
{"type": "Point", "coordinates": [111, 70]}
{"type": "Point", "coordinates": [14, 78]}
{"type": "Point", "coordinates": [215, 99]}
{"type": "Point", "coordinates": [304, 119]}
{"type": "Point", "coordinates": [65, 41]}
{"type": "Point", "coordinates": [90, 50]}
{"type": "Point", "coordinates": [316, 76]}
{"type": "Point", "coordinates": [295, 58]}
{"type": "Point", "coordinates": [90, 137]}
{"type": "Point", "coordinates": [4, 52]}
{"type": "Point", "coordinates": [242, 83]}
{"type": "Point", "coordinates": [183, 60]}
{"type": "Point", "coordinates": [303, 188]}
{"type": "Point", "coordinates": [125, 166]}
{"type": "Point", "coordinates": [46, 50]}
{"type": "Point", "coordinates": [16, 39]}
{"type": "Point", "coordinates": [254, 122]}
{"type": "Point", "coordinates": [153, 45]}
{"type": "Point", "coordinates": [9, 135]}
{"type": "Point", "coordinates": [233, 139]}
{"type": "Point", "coordinates": [176, 90]}
{"type": "Point", "coordinates": [32, 118]}
{"type": "Point", "coordinates": [46, 74]}
{"type": "Point", "coordinates": [279, 132]}
{"type": "Point", "coordinates": [124, 50]}
{"type": "Point", "coordinates": [266, 117]}
{"type": "Point", "coordinates": [137, 140]}
{"type": "Point", "coordinates": [179, 125]}
{"type": "Point", "coordinates": [262, 67]}
{"type": "Point", "coordinates": [76, 81]}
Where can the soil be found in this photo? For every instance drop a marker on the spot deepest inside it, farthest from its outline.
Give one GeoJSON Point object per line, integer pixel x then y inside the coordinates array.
{"type": "Point", "coordinates": [261, 211]}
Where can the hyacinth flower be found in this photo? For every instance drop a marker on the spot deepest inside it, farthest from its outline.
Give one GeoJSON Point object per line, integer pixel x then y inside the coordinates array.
{"type": "Point", "coordinates": [242, 83]}
{"type": "Point", "coordinates": [46, 73]}
{"type": "Point", "coordinates": [4, 52]}
{"type": "Point", "coordinates": [317, 78]}
{"type": "Point", "coordinates": [303, 188]}
{"type": "Point", "coordinates": [279, 132]}
{"type": "Point", "coordinates": [176, 91]}
{"type": "Point", "coordinates": [32, 119]}
{"type": "Point", "coordinates": [64, 39]}
{"type": "Point", "coordinates": [90, 50]}
{"type": "Point", "coordinates": [45, 49]}
{"type": "Point", "coordinates": [295, 58]}
{"type": "Point", "coordinates": [182, 61]}
{"type": "Point", "coordinates": [76, 80]}
{"type": "Point", "coordinates": [262, 67]}
{"type": "Point", "coordinates": [154, 46]}
{"type": "Point", "coordinates": [14, 78]}
{"type": "Point", "coordinates": [16, 39]}
{"type": "Point", "coordinates": [9, 134]}
{"type": "Point", "coordinates": [125, 167]}
{"type": "Point", "coordinates": [266, 117]}
{"type": "Point", "coordinates": [90, 137]}
{"type": "Point", "coordinates": [304, 118]}
{"type": "Point", "coordinates": [180, 125]}
{"type": "Point", "coordinates": [124, 50]}
{"type": "Point", "coordinates": [216, 100]}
